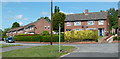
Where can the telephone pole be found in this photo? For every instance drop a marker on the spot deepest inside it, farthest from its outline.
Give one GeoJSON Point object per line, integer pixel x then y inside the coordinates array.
{"type": "Point", "coordinates": [51, 22]}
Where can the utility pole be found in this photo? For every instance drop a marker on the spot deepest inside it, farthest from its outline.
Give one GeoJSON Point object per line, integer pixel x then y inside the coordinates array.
{"type": "Point", "coordinates": [59, 36]}
{"type": "Point", "coordinates": [51, 23]}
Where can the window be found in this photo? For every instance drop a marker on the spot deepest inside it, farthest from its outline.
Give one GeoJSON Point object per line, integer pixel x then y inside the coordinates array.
{"type": "Point", "coordinates": [68, 29]}
{"type": "Point", "coordinates": [90, 22]}
{"type": "Point", "coordinates": [77, 29]}
{"type": "Point", "coordinates": [91, 28]}
{"type": "Point", "coordinates": [77, 23]}
{"type": "Point", "coordinates": [68, 23]}
{"type": "Point", "coordinates": [101, 22]}
{"type": "Point", "coordinates": [45, 27]}
{"type": "Point", "coordinates": [48, 27]}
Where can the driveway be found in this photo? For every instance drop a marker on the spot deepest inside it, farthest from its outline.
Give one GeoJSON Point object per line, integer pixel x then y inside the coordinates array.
{"type": "Point", "coordinates": [87, 51]}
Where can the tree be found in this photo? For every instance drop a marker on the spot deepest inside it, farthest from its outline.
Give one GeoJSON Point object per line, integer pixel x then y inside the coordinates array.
{"type": "Point", "coordinates": [0, 33]}
{"type": "Point", "coordinates": [5, 31]}
{"type": "Point", "coordinates": [113, 18]}
{"type": "Point", "coordinates": [56, 9]}
{"type": "Point", "coordinates": [15, 25]}
{"type": "Point", "coordinates": [58, 17]}
{"type": "Point", "coordinates": [47, 18]}
{"type": "Point", "coordinates": [45, 33]}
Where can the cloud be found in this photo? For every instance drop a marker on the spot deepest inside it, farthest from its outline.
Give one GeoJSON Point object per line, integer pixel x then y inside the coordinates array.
{"type": "Point", "coordinates": [20, 17]}
{"type": "Point", "coordinates": [44, 13]}
{"type": "Point", "coordinates": [66, 12]}
{"type": "Point", "coordinates": [21, 23]}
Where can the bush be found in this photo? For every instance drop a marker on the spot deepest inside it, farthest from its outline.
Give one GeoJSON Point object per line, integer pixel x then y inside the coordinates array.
{"type": "Point", "coordinates": [55, 38]}
{"type": "Point", "coordinates": [116, 38]}
{"type": "Point", "coordinates": [39, 38]}
{"type": "Point", "coordinates": [71, 36]}
{"type": "Point", "coordinates": [45, 33]}
{"type": "Point", "coordinates": [28, 38]}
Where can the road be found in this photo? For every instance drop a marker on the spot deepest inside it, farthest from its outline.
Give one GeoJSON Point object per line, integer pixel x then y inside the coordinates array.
{"type": "Point", "coordinates": [86, 51]}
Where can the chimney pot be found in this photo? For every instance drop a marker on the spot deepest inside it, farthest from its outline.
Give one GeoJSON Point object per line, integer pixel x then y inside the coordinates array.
{"type": "Point", "coordinates": [86, 12]}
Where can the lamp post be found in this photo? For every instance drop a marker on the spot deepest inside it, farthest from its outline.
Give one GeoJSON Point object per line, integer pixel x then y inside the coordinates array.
{"type": "Point", "coordinates": [51, 23]}
{"type": "Point", "coordinates": [59, 36]}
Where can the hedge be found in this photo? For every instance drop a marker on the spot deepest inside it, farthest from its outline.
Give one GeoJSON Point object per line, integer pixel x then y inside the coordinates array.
{"type": "Point", "coordinates": [39, 38]}
{"type": "Point", "coordinates": [116, 38]}
{"type": "Point", "coordinates": [81, 35]}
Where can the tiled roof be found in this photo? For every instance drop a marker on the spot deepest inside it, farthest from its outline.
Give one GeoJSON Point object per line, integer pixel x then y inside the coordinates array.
{"type": "Point", "coordinates": [24, 26]}
{"type": "Point", "coordinates": [83, 16]}
{"type": "Point", "coordinates": [16, 28]}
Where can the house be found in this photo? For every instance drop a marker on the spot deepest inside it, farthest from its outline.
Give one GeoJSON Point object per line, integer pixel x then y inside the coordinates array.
{"type": "Point", "coordinates": [88, 21]}
{"type": "Point", "coordinates": [36, 27]}
{"type": "Point", "coordinates": [119, 21]}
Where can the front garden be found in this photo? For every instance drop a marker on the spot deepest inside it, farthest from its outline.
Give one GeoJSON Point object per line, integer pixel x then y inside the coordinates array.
{"type": "Point", "coordinates": [70, 36]}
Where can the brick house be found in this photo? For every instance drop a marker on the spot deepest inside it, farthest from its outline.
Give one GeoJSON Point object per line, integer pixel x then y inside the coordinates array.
{"type": "Point", "coordinates": [36, 27]}
{"type": "Point", "coordinates": [88, 21]}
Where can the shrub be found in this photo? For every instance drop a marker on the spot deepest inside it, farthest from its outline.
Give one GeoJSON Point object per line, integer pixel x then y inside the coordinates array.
{"type": "Point", "coordinates": [28, 38]}
{"type": "Point", "coordinates": [55, 38]}
{"type": "Point", "coordinates": [116, 38]}
{"type": "Point", "coordinates": [39, 38]}
{"type": "Point", "coordinates": [81, 35]}
{"type": "Point", "coordinates": [45, 33]}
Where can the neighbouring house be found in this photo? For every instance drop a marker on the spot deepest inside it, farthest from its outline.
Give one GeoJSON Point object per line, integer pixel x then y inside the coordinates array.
{"type": "Point", "coordinates": [88, 21]}
{"type": "Point", "coordinates": [36, 27]}
{"type": "Point", "coordinates": [119, 21]}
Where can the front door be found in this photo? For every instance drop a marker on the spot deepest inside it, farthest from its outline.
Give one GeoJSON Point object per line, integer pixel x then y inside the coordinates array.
{"type": "Point", "coordinates": [100, 31]}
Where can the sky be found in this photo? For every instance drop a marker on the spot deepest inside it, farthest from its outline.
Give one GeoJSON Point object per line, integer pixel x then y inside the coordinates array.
{"type": "Point", "coordinates": [27, 12]}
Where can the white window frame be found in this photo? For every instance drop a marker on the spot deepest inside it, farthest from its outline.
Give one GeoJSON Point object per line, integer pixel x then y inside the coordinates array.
{"type": "Point", "coordinates": [101, 22]}
{"type": "Point", "coordinates": [77, 23]}
{"type": "Point", "coordinates": [68, 23]}
{"type": "Point", "coordinates": [93, 22]}
{"type": "Point", "coordinates": [77, 29]}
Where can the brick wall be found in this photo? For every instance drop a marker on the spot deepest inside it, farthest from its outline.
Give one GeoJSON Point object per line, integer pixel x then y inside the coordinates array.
{"type": "Point", "coordinates": [85, 23]}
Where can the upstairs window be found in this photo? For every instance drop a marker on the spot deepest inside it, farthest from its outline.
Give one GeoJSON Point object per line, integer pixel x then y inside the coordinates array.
{"type": "Point", "coordinates": [77, 23]}
{"type": "Point", "coordinates": [91, 23]}
{"type": "Point", "coordinates": [68, 23]}
{"type": "Point", "coordinates": [101, 22]}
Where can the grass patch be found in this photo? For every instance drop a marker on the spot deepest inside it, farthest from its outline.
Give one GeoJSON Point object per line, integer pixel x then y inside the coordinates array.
{"type": "Point", "coordinates": [39, 51]}
{"type": "Point", "coordinates": [5, 45]}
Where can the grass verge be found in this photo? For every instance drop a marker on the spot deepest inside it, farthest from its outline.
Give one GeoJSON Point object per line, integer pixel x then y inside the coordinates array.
{"type": "Point", "coordinates": [5, 45]}
{"type": "Point", "coordinates": [39, 51]}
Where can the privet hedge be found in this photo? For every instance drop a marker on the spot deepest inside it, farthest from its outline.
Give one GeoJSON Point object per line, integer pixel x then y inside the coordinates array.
{"type": "Point", "coordinates": [38, 38]}
{"type": "Point", "coordinates": [81, 35]}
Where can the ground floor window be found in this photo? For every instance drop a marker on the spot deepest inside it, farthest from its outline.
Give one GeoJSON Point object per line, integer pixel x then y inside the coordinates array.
{"type": "Point", "coordinates": [68, 29]}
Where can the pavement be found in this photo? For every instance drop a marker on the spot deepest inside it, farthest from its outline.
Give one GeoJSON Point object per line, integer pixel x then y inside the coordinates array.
{"type": "Point", "coordinates": [83, 51]}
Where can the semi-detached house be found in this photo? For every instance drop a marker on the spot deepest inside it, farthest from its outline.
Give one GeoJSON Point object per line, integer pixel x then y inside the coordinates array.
{"type": "Point", "coordinates": [36, 27]}
{"type": "Point", "coordinates": [88, 21]}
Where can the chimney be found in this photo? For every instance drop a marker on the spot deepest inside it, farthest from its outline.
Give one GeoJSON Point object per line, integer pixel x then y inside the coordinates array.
{"type": "Point", "coordinates": [86, 12]}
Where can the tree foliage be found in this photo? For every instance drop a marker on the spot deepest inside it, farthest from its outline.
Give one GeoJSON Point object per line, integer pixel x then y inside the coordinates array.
{"type": "Point", "coordinates": [113, 17]}
{"type": "Point", "coordinates": [58, 17]}
{"type": "Point", "coordinates": [56, 9]}
{"type": "Point", "coordinates": [5, 31]}
{"type": "Point", "coordinates": [47, 18]}
{"type": "Point", "coordinates": [15, 25]}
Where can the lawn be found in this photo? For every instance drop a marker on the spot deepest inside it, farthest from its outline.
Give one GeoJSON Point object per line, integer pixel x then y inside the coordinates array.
{"type": "Point", "coordinates": [5, 45]}
{"type": "Point", "coordinates": [39, 51]}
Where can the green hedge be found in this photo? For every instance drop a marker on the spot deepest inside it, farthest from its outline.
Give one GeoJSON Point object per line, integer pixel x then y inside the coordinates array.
{"type": "Point", "coordinates": [71, 36]}
{"type": "Point", "coordinates": [55, 38]}
{"type": "Point", "coordinates": [39, 38]}
{"type": "Point", "coordinates": [116, 38]}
